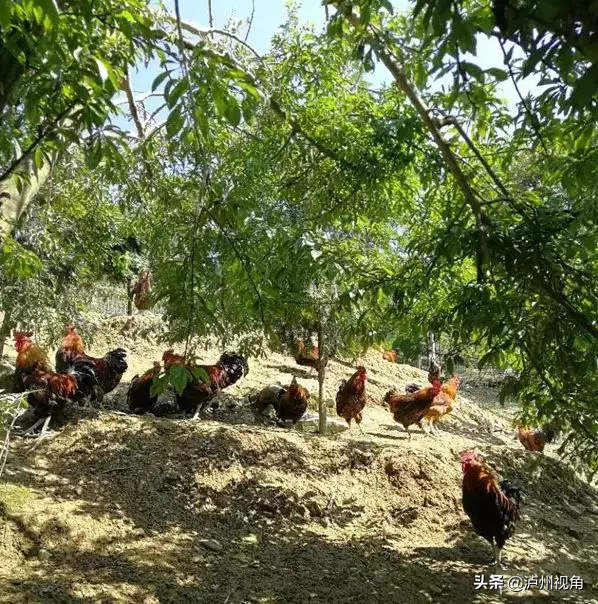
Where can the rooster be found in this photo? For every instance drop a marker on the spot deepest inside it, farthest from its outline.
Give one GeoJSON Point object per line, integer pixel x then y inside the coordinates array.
{"type": "Point", "coordinates": [141, 291]}
{"type": "Point", "coordinates": [229, 369]}
{"type": "Point", "coordinates": [170, 358]}
{"type": "Point", "coordinates": [139, 396]}
{"type": "Point", "coordinates": [433, 374]}
{"type": "Point", "coordinates": [409, 409]}
{"type": "Point", "coordinates": [492, 508]}
{"type": "Point", "coordinates": [308, 359]}
{"type": "Point", "coordinates": [109, 369]}
{"type": "Point", "coordinates": [534, 439]}
{"type": "Point", "coordinates": [351, 397]}
{"type": "Point", "coordinates": [443, 402]}
{"type": "Point", "coordinates": [51, 391]}
{"type": "Point", "coordinates": [289, 403]}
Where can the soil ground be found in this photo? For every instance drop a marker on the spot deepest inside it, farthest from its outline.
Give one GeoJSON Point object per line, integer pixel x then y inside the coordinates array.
{"type": "Point", "coordinates": [229, 510]}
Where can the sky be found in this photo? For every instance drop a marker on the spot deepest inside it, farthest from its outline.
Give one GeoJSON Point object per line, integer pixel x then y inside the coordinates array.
{"type": "Point", "coordinates": [268, 16]}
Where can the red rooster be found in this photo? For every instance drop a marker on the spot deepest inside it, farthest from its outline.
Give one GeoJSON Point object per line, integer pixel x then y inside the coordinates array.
{"type": "Point", "coordinates": [535, 439]}
{"type": "Point", "coordinates": [307, 359]}
{"type": "Point", "coordinates": [289, 403]}
{"type": "Point", "coordinates": [230, 368]}
{"type": "Point", "coordinates": [50, 391]}
{"type": "Point", "coordinates": [409, 409]}
{"type": "Point", "coordinates": [170, 358]}
{"type": "Point", "coordinates": [139, 396]}
{"type": "Point", "coordinates": [351, 397]}
{"type": "Point", "coordinates": [109, 369]}
{"type": "Point", "coordinates": [492, 508]}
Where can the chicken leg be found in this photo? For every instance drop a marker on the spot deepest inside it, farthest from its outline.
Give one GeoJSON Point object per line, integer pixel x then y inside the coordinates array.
{"type": "Point", "coordinates": [30, 432]}
{"type": "Point", "coordinates": [497, 560]}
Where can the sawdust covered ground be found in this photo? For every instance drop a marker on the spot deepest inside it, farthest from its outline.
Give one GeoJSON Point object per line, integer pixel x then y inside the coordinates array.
{"type": "Point", "coordinates": [224, 510]}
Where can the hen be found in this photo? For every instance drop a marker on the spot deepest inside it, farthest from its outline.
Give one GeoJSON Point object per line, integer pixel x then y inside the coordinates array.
{"type": "Point", "coordinates": [351, 397]}
{"type": "Point", "coordinates": [307, 359]}
{"type": "Point", "coordinates": [109, 369]}
{"type": "Point", "coordinates": [535, 439]}
{"type": "Point", "coordinates": [409, 409]}
{"type": "Point", "coordinates": [51, 390]}
{"type": "Point", "coordinates": [443, 402]}
{"type": "Point", "coordinates": [229, 369]}
{"type": "Point", "coordinates": [290, 403]}
{"type": "Point", "coordinates": [139, 396]}
{"type": "Point", "coordinates": [492, 508]}
{"type": "Point", "coordinates": [391, 355]}
{"type": "Point", "coordinates": [141, 291]}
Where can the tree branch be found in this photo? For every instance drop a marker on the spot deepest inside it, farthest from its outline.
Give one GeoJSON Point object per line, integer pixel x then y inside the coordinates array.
{"type": "Point", "coordinates": [126, 87]}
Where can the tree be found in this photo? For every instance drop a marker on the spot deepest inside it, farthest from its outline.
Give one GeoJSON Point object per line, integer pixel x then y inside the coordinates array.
{"type": "Point", "coordinates": [512, 280]}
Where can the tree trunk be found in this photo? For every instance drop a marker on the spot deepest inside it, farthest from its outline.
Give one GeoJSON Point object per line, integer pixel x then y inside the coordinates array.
{"type": "Point", "coordinates": [5, 329]}
{"type": "Point", "coordinates": [129, 297]}
{"type": "Point", "coordinates": [14, 203]}
{"type": "Point", "coordinates": [322, 411]}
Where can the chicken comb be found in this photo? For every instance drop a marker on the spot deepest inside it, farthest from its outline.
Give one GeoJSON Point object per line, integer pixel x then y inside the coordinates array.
{"type": "Point", "coordinates": [21, 335]}
{"type": "Point", "coordinates": [468, 454]}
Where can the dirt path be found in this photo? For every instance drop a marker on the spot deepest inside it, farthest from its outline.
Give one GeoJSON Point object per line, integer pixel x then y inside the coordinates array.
{"type": "Point", "coordinates": [224, 510]}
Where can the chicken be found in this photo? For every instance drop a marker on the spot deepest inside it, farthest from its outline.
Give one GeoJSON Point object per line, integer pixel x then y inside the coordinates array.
{"type": "Point", "coordinates": [534, 439]}
{"type": "Point", "coordinates": [139, 396]}
{"type": "Point", "coordinates": [229, 369]}
{"type": "Point", "coordinates": [443, 402]}
{"type": "Point", "coordinates": [169, 358]}
{"type": "Point", "coordinates": [51, 390]}
{"type": "Point", "coordinates": [109, 369]}
{"type": "Point", "coordinates": [433, 374]}
{"type": "Point", "coordinates": [391, 355]}
{"type": "Point", "coordinates": [492, 508]}
{"type": "Point", "coordinates": [409, 409]}
{"type": "Point", "coordinates": [307, 359]}
{"type": "Point", "coordinates": [351, 397]}
{"type": "Point", "coordinates": [290, 403]}
{"type": "Point", "coordinates": [141, 291]}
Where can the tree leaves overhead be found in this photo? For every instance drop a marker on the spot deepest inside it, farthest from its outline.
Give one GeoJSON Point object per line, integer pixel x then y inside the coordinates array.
{"type": "Point", "coordinates": [273, 194]}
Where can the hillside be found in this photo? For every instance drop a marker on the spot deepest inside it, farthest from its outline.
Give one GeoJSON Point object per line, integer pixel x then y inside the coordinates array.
{"type": "Point", "coordinates": [144, 509]}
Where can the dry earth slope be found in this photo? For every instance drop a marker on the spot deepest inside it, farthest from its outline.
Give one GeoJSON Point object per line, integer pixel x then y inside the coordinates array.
{"type": "Point", "coordinates": [227, 510]}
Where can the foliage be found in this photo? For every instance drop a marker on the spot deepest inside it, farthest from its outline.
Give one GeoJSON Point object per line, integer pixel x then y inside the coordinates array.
{"type": "Point", "coordinates": [510, 260]}
{"type": "Point", "coordinates": [282, 192]}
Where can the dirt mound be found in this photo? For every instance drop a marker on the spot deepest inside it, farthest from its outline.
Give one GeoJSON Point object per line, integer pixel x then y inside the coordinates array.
{"type": "Point", "coordinates": [145, 509]}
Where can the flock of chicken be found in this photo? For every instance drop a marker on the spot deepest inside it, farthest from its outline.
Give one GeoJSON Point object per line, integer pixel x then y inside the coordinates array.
{"type": "Point", "coordinates": [493, 507]}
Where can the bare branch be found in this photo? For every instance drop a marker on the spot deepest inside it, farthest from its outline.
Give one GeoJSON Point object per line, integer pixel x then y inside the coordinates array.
{"type": "Point", "coordinates": [250, 22]}
{"type": "Point", "coordinates": [210, 14]}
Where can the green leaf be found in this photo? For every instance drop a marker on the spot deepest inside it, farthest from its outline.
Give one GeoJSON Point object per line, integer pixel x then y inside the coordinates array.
{"type": "Point", "coordinates": [178, 377]}
{"type": "Point", "coordinates": [102, 69]}
{"type": "Point", "coordinates": [159, 385]}
{"type": "Point", "coordinates": [38, 158]}
{"type": "Point", "coordinates": [175, 93]}
{"type": "Point", "coordinates": [585, 88]}
{"type": "Point", "coordinates": [5, 13]}
{"type": "Point", "coordinates": [232, 111]}
{"type": "Point", "coordinates": [159, 79]}
{"type": "Point", "coordinates": [219, 95]}
{"type": "Point", "coordinates": [50, 12]}
{"type": "Point", "coordinates": [498, 74]}
{"type": "Point", "coordinates": [200, 374]}
{"type": "Point", "coordinates": [174, 121]}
